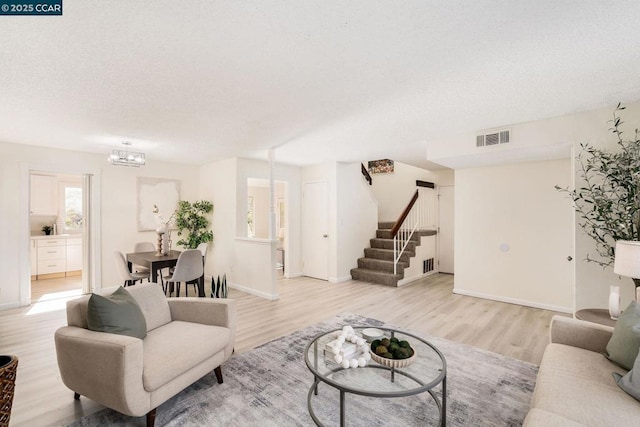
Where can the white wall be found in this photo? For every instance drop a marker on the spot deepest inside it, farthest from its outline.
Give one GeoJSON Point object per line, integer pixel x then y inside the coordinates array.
{"type": "Point", "coordinates": [515, 205]}
{"type": "Point", "coordinates": [248, 263]}
{"type": "Point", "coordinates": [426, 250]}
{"type": "Point", "coordinates": [118, 200]}
{"type": "Point", "coordinates": [356, 219]}
{"type": "Point", "coordinates": [393, 191]}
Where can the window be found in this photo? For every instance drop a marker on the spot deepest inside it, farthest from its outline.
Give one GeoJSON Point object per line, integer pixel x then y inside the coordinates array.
{"type": "Point", "coordinates": [72, 205]}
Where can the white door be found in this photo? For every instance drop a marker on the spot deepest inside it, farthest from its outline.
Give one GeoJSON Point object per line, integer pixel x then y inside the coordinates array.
{"type": "Point", "coordinates": [315, 230]}
{"type": "Point", "coordinates": [445, 235]}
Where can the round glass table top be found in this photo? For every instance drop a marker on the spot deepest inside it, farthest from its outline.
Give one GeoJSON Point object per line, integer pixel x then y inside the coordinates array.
{"type": "Point", "coordinates": [427, 370]}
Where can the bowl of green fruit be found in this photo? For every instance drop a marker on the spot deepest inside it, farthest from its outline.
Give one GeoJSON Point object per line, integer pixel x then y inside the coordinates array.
{"type": "Point", "coordinates": [392, 352]}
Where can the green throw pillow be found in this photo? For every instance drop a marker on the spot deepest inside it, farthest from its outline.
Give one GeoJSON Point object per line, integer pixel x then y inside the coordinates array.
{"type": "Point", "coordinates": [623, 346]}
{"type": "Point", "coordinates": [118, 313]}
{"type": "Point", "coordinates": [630, 383]}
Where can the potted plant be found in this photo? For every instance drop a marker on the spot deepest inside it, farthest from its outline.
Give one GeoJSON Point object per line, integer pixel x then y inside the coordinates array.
{"type": "Point", "coordinates": [47, 229]}
{"type": "Point", "coordinates": [191, 220]}
{"type": "Point", "coordinates": [608, 199]}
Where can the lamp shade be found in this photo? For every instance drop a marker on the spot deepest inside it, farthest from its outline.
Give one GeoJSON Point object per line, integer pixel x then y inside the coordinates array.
{"type": "Point", "coordinates": [627, 262]}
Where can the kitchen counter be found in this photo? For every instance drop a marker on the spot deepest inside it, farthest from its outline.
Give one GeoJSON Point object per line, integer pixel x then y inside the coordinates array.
{"type": "Point", "coordinates": [53, 236]}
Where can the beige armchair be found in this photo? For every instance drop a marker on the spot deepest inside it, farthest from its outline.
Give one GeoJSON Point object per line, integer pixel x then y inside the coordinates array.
{"type": "Point", "coordinates": [186, 339]}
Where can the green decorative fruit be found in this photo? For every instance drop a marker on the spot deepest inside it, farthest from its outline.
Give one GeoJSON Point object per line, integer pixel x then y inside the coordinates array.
{"type": "Point", "coordinates": [392, 348]}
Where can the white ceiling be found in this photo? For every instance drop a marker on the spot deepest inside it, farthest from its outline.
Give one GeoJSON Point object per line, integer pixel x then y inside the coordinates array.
{"type": "Point", "coordinates": [203, 80]}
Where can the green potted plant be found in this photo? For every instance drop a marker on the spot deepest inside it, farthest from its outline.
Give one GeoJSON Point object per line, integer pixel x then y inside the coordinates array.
{"type": "Point", "coordinates": [191, 220]}
{"type": "Point", "coordinates": [608, 200]}
{"type": "Point", "coordinates": [47, 229]}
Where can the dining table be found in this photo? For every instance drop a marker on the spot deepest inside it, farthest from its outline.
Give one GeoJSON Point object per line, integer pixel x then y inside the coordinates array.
{"type": "Point", "coordinates": [155, 263]}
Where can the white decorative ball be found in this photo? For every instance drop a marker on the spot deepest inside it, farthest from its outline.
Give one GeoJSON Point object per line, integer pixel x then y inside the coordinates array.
{"type": "Point", "coordinates": [335, 350]}
{"type": "Point", "coordinates": [337, 358]}
{"type": "Point", "coordinates": [346, 328]}
{"type": "Point", "coordinates": [362, 362]}
{"type": "Point", "coordinates": [360, 341]}
{"type": "Point", "coordinates": [345, 364]}
{"type": "Point", "coordinates": [353, 339]}
{"type": "Point", "coordinates": [353, 363]}
{"type": "Point", "coordinates": [367, 356]}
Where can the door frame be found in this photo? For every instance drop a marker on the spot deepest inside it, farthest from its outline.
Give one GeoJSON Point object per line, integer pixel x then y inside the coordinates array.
{"type": "Point", "coordinates": [90, 282]}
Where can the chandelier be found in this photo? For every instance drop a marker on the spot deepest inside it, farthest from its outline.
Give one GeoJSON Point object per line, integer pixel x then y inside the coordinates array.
{"type": "Point", "coordinates": [126, 157]}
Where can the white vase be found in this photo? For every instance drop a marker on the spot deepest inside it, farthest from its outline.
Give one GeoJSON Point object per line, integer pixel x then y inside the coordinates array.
{"type": "Point", "coordinates": [614, 302]}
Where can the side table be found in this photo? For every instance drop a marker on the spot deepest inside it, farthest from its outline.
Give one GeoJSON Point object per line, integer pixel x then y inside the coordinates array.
{"type": "Point", "coordinates": [596, 315]}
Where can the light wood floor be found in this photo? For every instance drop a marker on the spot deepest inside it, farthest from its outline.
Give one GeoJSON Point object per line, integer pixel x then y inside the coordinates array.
{"type": "Point", "coordinates": [427, 306]}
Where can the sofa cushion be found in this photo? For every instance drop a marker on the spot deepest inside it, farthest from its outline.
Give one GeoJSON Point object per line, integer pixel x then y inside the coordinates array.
{"type": "Point", "coordinates": [117, 313]}
{"type": "Point", "coordinates": [625, 341]}
{"type": "Point", "coordinates": [630, 382]}
{"type": "Point", "coordinates": [176, 347]}
{"type": "Point", "coordinates": [153, 303]}
{"type": "Point", "coordinates": [577, 384]}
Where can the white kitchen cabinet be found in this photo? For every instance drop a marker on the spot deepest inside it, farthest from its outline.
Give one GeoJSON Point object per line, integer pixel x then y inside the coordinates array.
{"type": "Point", "coordinates": [74, 254]}
{"type": "Point", "coordinates": [52, 256]}
{"type": "Point", "coordinates": [43, 195]}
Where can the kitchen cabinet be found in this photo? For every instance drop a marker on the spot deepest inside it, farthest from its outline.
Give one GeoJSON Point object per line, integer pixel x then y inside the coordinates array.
{"type": "Point", "coordinates": [43, 195]}
{"type": "Point", "coordinates": [55, 256]}
{"type": "Point", "coordinates": [52, 257]}
{"type": "Point", "coordinates": [74, 256]}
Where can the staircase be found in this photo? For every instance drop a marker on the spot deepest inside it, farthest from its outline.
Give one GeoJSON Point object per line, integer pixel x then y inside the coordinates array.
{"type": "Point", "coordinates": [377, 264]}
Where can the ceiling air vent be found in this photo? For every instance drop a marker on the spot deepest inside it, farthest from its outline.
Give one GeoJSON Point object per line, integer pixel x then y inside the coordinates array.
{"type": "Point", "coordinates": [493, 138]}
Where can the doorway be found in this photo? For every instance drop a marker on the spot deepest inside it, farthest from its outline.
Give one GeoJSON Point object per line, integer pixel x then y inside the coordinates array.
{"type": "Point", "coordinates": [258, 216]}
{"type": "Point", "coordinates": [68, 198]}
{"type": "Point", "coordinates": [56, 235]}
{"type": "Point", "coordinates": [315, 230]}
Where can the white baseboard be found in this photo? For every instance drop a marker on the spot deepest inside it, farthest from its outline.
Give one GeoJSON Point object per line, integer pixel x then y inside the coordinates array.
{"type": "Point", "coordinates": [513, 301]}
{"type": "Point", "coordinates": [270, 297]}
{"type": "Point", "coordinates": [339, 279]}
{"type": "Point", "coordinates": [9, 305]}
{"type": "Point", "coordinates": [292, 275]}
{"type": "Point", "coordinates": [414, 278]}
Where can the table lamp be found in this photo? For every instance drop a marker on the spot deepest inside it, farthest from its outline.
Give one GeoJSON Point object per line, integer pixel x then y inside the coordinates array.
{"type": "Point", "coordinates": [627, 261]}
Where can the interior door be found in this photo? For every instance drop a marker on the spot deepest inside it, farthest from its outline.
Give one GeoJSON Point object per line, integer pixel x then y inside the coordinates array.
{"type": "Point", "coordinates": [315, 226]}
{"type": "Point", "coordinates": [445, 234]}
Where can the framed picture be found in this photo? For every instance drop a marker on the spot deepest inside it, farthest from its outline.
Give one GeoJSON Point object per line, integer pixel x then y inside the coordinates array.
{"type": "Point", "coordinates": [381, 166]}
{"type": "Point", "coordinates": [164, 193]}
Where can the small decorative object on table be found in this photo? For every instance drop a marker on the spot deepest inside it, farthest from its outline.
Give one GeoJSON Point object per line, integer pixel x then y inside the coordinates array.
{"type": "Point", "coordinates": [392, 352]}
{"type": "Point", "coordinates": [47, 229]}
{"type": "Point", "coordinates": [614, 302]}
{"type": "Point", "coordinates": [348, 349]}
{"type": "Point", "coordinates": [371, 334]}
{"type": "Point", "coordinates": [164, 236]}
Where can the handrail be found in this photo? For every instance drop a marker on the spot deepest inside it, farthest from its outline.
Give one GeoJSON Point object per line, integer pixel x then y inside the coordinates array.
{"type": "Point", "coordinates": [404, 228]}
{"type": "Point", "coordinates": [403, 216]}
{"type": "Point", "coordinates": [366, 174]}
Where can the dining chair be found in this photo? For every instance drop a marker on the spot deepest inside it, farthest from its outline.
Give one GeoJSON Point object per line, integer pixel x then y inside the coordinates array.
{"type": "Point", "coordinates": [202, 247]}
{"type": "Point", "coordinates": [188, 268]}
{"type": "Point", "coordinates": [122, 267]}
{"type": "Point", "coordinates": [145, 247]}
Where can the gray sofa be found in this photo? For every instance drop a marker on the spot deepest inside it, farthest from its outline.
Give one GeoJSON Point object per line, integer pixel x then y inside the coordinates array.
{"type": "Point", "coordinates": [186, 339]}
{"type": "Point", "coordinates": [575, 386]}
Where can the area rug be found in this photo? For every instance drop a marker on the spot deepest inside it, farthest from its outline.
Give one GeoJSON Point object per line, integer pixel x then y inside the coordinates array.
{"type": "Point", "coordinates": [268, 386]}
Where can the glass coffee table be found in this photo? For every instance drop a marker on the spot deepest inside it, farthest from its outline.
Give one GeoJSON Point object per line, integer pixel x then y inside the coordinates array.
{"type": "Point", "coordinates": [428, 370]}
